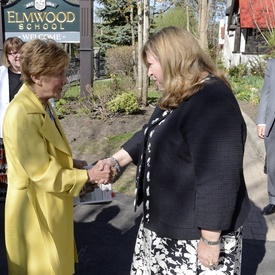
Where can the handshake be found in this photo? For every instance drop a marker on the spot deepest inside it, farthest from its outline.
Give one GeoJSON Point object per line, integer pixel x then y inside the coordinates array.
{"type": "Point", "coordinates": [103, 172]}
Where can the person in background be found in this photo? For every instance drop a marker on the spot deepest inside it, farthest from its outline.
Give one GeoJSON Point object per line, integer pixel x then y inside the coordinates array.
{"type": "Point", "coordinates": [43, 178]}
{"type": "Point", "coordinates": [266, 131]}
{"type": "Point", "coordinates": [10, 83]}
{"type": "Point", "coordinates": [189, 159]}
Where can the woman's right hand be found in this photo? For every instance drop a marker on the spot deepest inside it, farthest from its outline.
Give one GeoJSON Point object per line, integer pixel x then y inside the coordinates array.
{"type": "Point", "coordinates": [101, 173]}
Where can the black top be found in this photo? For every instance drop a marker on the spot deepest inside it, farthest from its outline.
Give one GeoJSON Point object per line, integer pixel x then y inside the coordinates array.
{"type": "Point", "coordinates": [14, 83]}
{"type": "Point", "coordinates": [190, 165]}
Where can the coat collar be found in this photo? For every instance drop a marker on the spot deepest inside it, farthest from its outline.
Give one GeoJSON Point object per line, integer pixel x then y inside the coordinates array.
{"type": "Point", "coordinates": [50, 130]}
{"type": "Point", "coordinates": [159, 115]}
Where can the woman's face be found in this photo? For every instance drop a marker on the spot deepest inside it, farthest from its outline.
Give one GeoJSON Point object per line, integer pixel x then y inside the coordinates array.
{"type": "Point", "coordinates": [13, 57]}
{"type": "Point", "coordinates": [155, 71]}
{"type": "Point", "coordinates": [52, 85]}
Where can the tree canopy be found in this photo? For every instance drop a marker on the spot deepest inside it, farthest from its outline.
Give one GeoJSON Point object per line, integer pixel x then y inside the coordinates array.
{"type": "Point", "coordinates": [114, 28]}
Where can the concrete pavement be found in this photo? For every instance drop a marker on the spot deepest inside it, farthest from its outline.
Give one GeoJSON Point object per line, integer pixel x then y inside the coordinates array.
{"type": "Point", "coordinates": [105, 233]}
{"type": "Point", "coordinates": [259, 230]}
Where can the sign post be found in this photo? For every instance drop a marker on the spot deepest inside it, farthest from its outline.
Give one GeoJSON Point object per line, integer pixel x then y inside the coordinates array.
{"type": "Point", "coordinates": [86, 45]}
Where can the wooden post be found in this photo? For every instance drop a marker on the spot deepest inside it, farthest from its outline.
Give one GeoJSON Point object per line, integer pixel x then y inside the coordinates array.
{"type": "Point", "coordinates": [86, 46]}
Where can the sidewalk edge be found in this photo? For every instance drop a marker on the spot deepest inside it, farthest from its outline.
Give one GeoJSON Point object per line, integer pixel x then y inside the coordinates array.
{"type": "Point", "coordinates": [257, 142]}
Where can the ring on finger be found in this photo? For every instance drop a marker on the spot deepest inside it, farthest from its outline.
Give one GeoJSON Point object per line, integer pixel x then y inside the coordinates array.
{"type": "Point", "coordinates": [212, 266]}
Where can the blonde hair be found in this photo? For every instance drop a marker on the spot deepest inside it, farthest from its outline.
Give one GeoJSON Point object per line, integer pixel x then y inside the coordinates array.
{"type": "Point", "coordinates": [183, 63]}
{"type": "Point", "coordinates": [12, 44]}
{"type": "Point", "coordinates": [42, 57]}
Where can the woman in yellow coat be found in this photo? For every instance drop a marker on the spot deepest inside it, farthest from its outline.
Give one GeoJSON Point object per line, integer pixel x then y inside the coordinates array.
{"type": "Point", "coordinates": [43, 177]}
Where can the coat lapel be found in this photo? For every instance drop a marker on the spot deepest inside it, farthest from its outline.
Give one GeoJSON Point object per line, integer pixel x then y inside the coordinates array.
{"type": "Point", "coordinates": [55, 135]}
{"type": "Point", "coordinates": [158, 117]}
{"type": "Point", "coordinates": [49, 130]}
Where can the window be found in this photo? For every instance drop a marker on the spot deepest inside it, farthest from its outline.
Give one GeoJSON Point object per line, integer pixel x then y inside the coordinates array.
{"type": "Point", "coordinates": [255, 43]}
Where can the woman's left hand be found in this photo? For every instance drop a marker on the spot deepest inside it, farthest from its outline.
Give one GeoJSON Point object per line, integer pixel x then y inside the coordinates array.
{"type": "Point", "coordinates": [208, 255]}
{"type": "Point", "coordinates": [79, 164]}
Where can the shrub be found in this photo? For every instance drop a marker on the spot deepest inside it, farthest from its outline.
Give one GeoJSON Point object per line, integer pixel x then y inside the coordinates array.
{"type": "Point", "coordinates": [247, 88]}
{"type": "Point", "coordinates": [247, 80]}
{"type": "Point", "coordinates": [105, 93]}
{"type": "Point", "coordinates": [119, 84]}
{"type": "Point", "coordinates": [119, 61]}
{"type": "Point", "coordinates": [126, 102]}
{"type": "Point", "coordinates": [257, 66]}
{"type": "Point", "coordinates": [238, 71]}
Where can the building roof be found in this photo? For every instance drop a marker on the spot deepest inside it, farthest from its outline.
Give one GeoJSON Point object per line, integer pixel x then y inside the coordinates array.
{"type": "Point", "coordinates": [257, 14]}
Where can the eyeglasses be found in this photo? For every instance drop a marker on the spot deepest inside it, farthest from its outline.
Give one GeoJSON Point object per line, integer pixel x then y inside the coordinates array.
{"type": "Point", "coordinates": [13, 54]}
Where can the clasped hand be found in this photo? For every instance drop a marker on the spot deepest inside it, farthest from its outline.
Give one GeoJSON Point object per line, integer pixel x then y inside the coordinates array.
{"type": "Point", "coordinates": [102, 173]}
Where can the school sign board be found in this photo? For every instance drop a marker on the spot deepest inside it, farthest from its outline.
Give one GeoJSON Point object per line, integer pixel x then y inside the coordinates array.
{"type": "Point", "coordinates": [55, 19]}
{"type": "Point", "coordinates": [59, 20]}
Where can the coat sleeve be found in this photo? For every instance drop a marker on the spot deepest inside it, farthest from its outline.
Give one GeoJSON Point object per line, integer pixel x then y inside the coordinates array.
{"type": "Point", "coordinates": [261, 119]}
{"type": "Point", "coordinates": [27, 150]}
{"type": "Point", "coordinates": [266, 106]}
{"type": "Point", "coordinates": [134, 145]}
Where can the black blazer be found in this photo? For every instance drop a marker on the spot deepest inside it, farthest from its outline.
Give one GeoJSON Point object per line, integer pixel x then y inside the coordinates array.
{"type": "Point", "coordinates": [196, 165]}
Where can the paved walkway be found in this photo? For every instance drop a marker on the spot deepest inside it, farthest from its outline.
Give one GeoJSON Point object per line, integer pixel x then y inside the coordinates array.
{"type": "Point", "coordinates": [259, 230]}
{"type": "Point", "coordinates": [257, 226]}
{"type": "Point", "coordinates": [105, 233]}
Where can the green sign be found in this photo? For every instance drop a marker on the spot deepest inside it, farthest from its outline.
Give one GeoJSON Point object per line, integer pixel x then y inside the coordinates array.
{"type": "Point", "coordinates": [57, 19]}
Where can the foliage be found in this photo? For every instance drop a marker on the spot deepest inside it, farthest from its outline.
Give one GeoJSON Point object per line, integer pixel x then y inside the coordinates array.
{"type": "Point", "coordinates": [217, 12]}
{"type": "Point", "coordinates": [116, 94]}
{"type": "Point", "coordinates": [153, 96]}
{"type": "Point", "coordinates": [257, 66]}
{"type": "Point", "coordinates": [220, 62]}
{"type": "Point", "coordinates": [246, 83]}
{"type": "Point", "coordinates": [176, 17]}
{"type": "Point", "coordinates": [175, 13]}
{"type": "Point", "coordinates": [120, 84]}
{"type": "Point", "coordinates": [119, 61]}
{"type": "Point", "coordinates": [269, 37]}
{"type": "Point", "coordinates": [238, 71]}
{"type": "Point", "coordinates": [115, 27]}
{"type": "Point", "coordinates": [95, 104]}
{"type": "Point", "coordinates": [126, 102]}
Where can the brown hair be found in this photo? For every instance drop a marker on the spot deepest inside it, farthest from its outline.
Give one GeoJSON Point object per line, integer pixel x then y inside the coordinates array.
{"type": "Point", "coordinates": [42, 57]}
{"type": "Point", "coordinates": [12, 44]}
{"type": "Point", "coordinates": [183, 63]}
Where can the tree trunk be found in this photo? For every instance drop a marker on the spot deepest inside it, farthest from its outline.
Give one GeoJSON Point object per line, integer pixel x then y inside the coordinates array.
{"type": "Point", "coordinates": [146, 27]}
{"type": "Point", "coordinates": [187, 18]}
{"type": "Point", "coordinates": [140, 43]}
{"type": "Point", "coordinates": [133, 43]}
{"type": "Point", "coordinates": [203, 23]}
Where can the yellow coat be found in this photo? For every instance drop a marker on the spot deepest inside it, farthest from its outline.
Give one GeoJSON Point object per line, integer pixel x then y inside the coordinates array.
{"type": "Point", "coordinates": [41, 185]}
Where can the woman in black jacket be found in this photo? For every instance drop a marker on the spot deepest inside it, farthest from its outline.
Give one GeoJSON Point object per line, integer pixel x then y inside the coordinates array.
{"type": "Point", "coordinates": [189, 161]}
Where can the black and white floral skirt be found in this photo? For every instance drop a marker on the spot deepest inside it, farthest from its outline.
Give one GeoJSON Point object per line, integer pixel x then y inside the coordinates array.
{"type": "Point", "coordinates": [154, 255]}
{"type": "Point", "coordinates": [3, 166]}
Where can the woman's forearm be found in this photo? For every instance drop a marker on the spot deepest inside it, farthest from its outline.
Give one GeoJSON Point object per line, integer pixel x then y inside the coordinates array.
{"type": "Point", "coordinates": [122, 157]}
